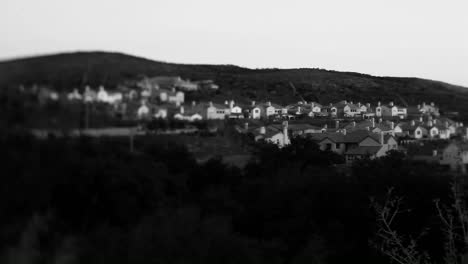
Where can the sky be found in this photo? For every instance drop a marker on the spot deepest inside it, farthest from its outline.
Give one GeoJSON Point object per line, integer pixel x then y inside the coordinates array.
{"type": "Point", "coordinates": [408, 38]}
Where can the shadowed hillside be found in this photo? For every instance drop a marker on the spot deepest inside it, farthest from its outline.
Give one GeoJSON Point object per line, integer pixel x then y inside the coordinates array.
{"type": "Point", "coordinates": [65, 71]}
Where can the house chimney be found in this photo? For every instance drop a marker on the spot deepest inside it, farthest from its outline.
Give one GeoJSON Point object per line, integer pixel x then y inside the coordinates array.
{"type": "Point", "coordinates": [351, 102]}
{"type": "Point", "coordinates": [419, 106]}
{"type": "Point", "coordinates": [262, 130]}
{"type": "Point", "coordinates": [269, 103]}
{"type": "Point", "coordinates": [368, 128]}
{"type": "Point", "coordinates": [413, 123]}
{"type": "Point", "coordinates": [178, 103]}
{"type": "Point", "coordinates": [368, 106]}
{"type": "Point", "coordinates": [446, 124]}
{"type": "Point", "coordinates": [312, 105]}
{"type": "Point", "coordinates": [246, 126]}
{"type": "Point", "coordinates": [325, 126]}
{"type": "Point", "coordinates": [359, 104]}
{"type": "Point", "coordinates": [226, 102]}
{"type": "Point", "coordinates": [429, 123]}
{"type": "Point", "coordinates": [344, 131]}
{"type": "Point", "coordinates": [354, 124]}
{"type": "Point", "coordinates": [211, 104]}
{"type": "Point", "coordinates": [380, 120]}
{"type": "Point", "coordinates": [378, 103]}
{"type": "Point", "coordinates": [421, 119]}
{"type": "Point", "coordinates": [432, 104]}
{"type": "Point", "coordinates": [391, 103]}
{"type": "Point", "coordinates": [337, 124]}
{"type": "Point", "coordinates": [298, 110]}
{"type": "Point", "coordinates": [231, 104]}
{"type": "Point", "coordinates": [424, 104]}
{"type": "Point", "coordinates": [381, 138]}
{"type": "Point", "coordinates": [392, 125]}
{"type": "Point", "coordinates": [194, 103]}
{"type": "Point", "coordinates": [346, 102]}
{"type": "Point", "coordinates": [182, 110]}
{"type": "Point", "coordinates": [434, 153]}
{"type": "Point", "coordinates": [373, 122]}
{"type": "Point", "coordinates": [173, 89]}
{"type": "Point", "coordinates": [253, 103]}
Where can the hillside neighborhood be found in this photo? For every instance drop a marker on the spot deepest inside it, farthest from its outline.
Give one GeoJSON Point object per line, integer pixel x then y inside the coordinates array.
{"type": "Point", "coordinates": [354, 130]}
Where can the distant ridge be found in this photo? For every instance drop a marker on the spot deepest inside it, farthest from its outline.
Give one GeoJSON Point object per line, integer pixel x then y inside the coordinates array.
{"type": "Point", "coordinates": [67, 70]}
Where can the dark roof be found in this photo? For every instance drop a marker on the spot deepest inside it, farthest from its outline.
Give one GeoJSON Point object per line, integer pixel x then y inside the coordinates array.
{"type": "Point", "coordinates": [364, 150]}
{"type": "Point", "coordinates": [351, 137]}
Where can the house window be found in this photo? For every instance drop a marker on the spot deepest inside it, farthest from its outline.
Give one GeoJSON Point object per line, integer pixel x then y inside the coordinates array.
{"type": "Point", "coordinates": [328, 146]}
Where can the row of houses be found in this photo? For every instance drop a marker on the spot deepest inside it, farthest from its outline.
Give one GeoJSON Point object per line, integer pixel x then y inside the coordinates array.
{"type": "Point", "coordinates": [231, 109]}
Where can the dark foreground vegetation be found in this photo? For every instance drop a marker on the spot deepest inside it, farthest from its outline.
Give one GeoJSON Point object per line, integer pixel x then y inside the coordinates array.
{"type": "Point", "coordinates": [92, 201]}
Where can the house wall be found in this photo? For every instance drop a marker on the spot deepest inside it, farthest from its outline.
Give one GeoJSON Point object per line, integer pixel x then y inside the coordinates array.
{"type": "Point", "coordinates": [434, 132]}
{"type": "Point", "coordinates": [279, 139]}
{"type": "Point", "coordinates": [269, 111]}
{"type": "Point", "coordinates": [215, 113]}
{"type": "Point", "coordinates": [418, 133]}
{"type": "Point", "coordinates": [256, 113]}
{"type": "Point", "coordinates": [378, 111]}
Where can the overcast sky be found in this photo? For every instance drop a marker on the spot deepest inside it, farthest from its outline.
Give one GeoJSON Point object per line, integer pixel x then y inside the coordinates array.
{"type": "Point", "coordinates": [421, 38]}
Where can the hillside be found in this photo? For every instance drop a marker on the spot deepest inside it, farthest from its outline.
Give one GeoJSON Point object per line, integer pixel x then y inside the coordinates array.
{"type": "Point", "coordinates": [65, 71]}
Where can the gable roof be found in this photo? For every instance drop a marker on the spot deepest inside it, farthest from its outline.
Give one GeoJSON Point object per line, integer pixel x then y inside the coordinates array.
{"type": "Point", "coordinates": [351, 137]}
{"type": "Point", "coordinates": [364, 150]}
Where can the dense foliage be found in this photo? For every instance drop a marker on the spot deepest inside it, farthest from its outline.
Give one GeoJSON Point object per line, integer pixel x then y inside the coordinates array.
{"type": "Point", "coordinates": [92, 201]}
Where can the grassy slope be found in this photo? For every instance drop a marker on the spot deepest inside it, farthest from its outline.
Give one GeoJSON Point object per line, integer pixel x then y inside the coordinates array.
{"type": "Point", "coordinates": [65, 71]}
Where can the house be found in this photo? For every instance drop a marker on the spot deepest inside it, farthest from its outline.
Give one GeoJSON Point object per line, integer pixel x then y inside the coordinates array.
{"type": "Point", "coordinates": [351, 110]}
{"type": "Point", "coordinates": [253, 111]}
{"type": "Point", "coordinates": [428, 109]}
{"type": "Point", "coordinates": [235, 110]}
{"type": "Point", "coordinates": [271, 110]}
{"type": "Point", "coordinates": [386, 127]}
{"type": "Point", "coordinates": [341, 142]}
{"type": "Point", "coordinates": [170, 96]}
{"type": "Point", "coordinates": [207, 85]}
{"type": "Point", "coordinates": [75, 95]}
{"type": "Point", "coordinates": [272, 134]}
{"type": "Point", "coordinates": [191, 115]}
{"type": "Point", "coordinates": [143, 111]}
{"type": "Point", "coordinates": [217, 111]}
{"type": "Point", "coordinates": [455, 155]}
{"type": "Point", "coordinates": [302, 129]}
{"type": "Point", "coordinates": [186, 85]}
{"type": "Point", "coordinates": [390, 110]}
{"type": "Point", "coordinates": [161, 111]}
{"type": "Point", "coordinates": [330, 110]}
{"type": "Point", "coordinates": [102, 94]}
{"type": "Point", "coordinates": [89, 95]}
{"type": "Point", "coordinates": [299, 109]}
{"type": "Point", "coordinates": [107, 97]}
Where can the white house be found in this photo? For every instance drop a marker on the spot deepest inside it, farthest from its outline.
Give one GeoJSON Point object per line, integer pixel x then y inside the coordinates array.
{"type": "Point", "coordinates": [75, 95]}
{"type": "Point", "coordinates": [89, 95]}
{"type": "Point", "coordinates": [143, 111]}
{"type": "Point", "coordinates": [254, 111]}
{"type": "Point", "coordinates": [102, 95]}
{"type": "Point", "coordinates": [217, 111]}
{"type": "Point", "coordinates": [273, 135]}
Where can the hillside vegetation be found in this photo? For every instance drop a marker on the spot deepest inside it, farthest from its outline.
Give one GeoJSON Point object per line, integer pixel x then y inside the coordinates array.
{"type": "Point", "coordinates": [65, 71]}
